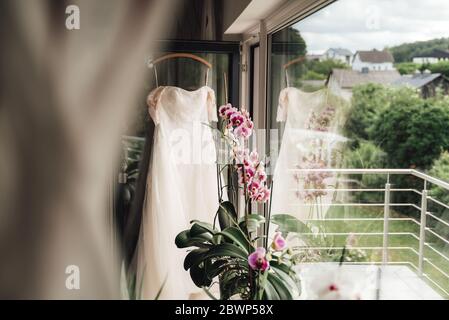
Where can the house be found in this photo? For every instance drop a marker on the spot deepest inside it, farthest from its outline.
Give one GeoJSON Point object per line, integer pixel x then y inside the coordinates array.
{"type": "Point", "coordinates": [435, 56]}
{"type": "Point", "coordinates": [344, 80]}
{"type": "Point", "coordinates": [374, 60]}
{"type": "Point", "coordinates": [426, 83]}
{"type": "Point", "coordinates": [314, 57]}
{"type": "Point", "coordinates": [338, 54]}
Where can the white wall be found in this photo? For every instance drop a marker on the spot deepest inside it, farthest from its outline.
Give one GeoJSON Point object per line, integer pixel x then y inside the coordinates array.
{"type": "Point", "coordinates": [358, 65]}
{"type": "Point", "coordinates": [430, 60]}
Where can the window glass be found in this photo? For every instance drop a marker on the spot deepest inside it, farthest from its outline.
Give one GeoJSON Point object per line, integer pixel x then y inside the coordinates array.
{"type": "Point", "coordinates": [362, 85]}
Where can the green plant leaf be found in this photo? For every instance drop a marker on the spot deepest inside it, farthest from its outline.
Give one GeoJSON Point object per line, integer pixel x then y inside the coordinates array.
{"type": "Point", "coordinates": [236, 235]}
{"type": "Point", "coordinates": [201, 227]}
{"type": "Point", "coordinates": [256, 217]}
{"type": "Point", "coordinates": [182, 239]}
{"type": "Point", "coordinates": [270, 292]}
{"type": "Point", "coordinates": [199, 276]}
{"type": "Point", "coordinates": [254, 222]}
{"type": "Point", "coordinates": [227, 215]}
{"type": "Point", "coordinates": [217, 267]}
{"type": "Point", "coordinates": [291, 281]}
{"type": "Point", "coordinates": [227, 249]}
{"type": "Point", "coordinates": [288, 223]}
{"type": "Point", "coordinates": [195, 257]}
{"type": "Point", "coordinates": [281, 288]}
{"type": "Point", "coordinates": [185, 240]}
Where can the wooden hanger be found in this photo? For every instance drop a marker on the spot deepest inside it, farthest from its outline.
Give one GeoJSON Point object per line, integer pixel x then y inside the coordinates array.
{"type": "Point", "coordinates": [180, 55]}
{"type": "Point", "coordinates": [290, 63]}
{"type": "Point", "coordinates": [294, 61]}
{"type": "Point", "coordinates": [153, 63]}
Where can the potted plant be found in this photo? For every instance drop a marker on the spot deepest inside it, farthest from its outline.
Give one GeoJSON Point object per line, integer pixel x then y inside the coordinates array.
{"type": "Point", "coordinates": [238, 251]}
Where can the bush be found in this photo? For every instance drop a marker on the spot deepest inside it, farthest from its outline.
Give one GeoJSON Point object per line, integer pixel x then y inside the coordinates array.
{"type": "Point", "coordinates": [366, 156]}
{"type": "Point", "coordinates": [407, 67]}
{"type": "Point", "coordinates": [440, 67]}
{"type": "Point", "coordinates": [440, 170]}
{"type": "Point", "coordinates": [413, 131]}
{"type": "Point", "coordinates": [312, 75]}
{"type": "Point", "coordinates": [368, 101]}
{"type": "Point", "coordinates": [325, 67]}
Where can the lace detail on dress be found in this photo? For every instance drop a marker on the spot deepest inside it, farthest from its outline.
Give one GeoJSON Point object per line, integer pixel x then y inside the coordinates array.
{"type": "Point", "coordinates": [153, 102]}
{"type": "Point", "coordinates": [283, 104]}
{"type": "Point", "coordinates": [211, 106]}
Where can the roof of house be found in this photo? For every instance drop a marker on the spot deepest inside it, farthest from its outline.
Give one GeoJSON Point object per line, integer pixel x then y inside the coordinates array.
{"type": "Point", "coordinates": [341, 51]}
{"type": "Point", "coordinates": [436, 53]}
{"type": "Point", "coordinates": [314, 56]}
{"type": "Point", "coordinates": [416, 80]}
{"type": "Point", "coordinates": [347, 79]}
{"type": "Point", "coordinates": [375, 56]}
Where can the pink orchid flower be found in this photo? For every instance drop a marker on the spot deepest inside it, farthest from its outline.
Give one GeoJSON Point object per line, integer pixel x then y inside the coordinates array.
{"type": "Point", "coordinates": [237, 119]}
{"type": "Point", "coordinates": [254, 156]}
{"type": "Point", "coordinates": [254, 187]}
{"type": "Point", "coordinates": [223, 109]}
{"type": "Point", "coordinates": [242, 132]}
{"type": "Point", "coordinates": [266, 195]}
{"type": "Point", "coordinates": [258, 261]}
{"type": "Point", "coordinates": [279, 243]}
{"type": "Point", "coordinates": [229, 112]}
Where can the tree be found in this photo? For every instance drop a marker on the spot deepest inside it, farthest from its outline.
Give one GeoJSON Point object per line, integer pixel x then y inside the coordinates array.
{"type": "Point", "coordinates": [325, 67]}
{"type": "Point", "coordinates": [440, 170]}
{"type": "Point", "coordinates": [366, 156]}
{"type": "Point", "coordinates": [407, 67]}
{"type": "Point", "coordinates": [407, 51]}
{"type": "Point", "coordinates": [413, 131]}
{"type": "Point", "coordinates": [368, 101]}
{"type": "Point", "coordinates": [440, 67]}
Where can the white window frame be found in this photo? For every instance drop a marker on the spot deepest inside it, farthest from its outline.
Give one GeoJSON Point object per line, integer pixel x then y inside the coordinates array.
{"type": "Point", "coordinates": [288, 14]}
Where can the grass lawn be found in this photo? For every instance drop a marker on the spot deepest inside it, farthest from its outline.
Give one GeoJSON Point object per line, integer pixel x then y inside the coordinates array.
{"type": "Point", "coordinates": [403, 242]}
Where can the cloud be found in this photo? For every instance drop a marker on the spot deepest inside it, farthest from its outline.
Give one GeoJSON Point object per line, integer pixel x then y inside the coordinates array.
{"type": "Point", "coordinates": [368, 24]}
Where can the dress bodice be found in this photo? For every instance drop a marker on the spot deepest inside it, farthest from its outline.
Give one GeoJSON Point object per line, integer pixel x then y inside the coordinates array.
{"type": "Point", "coordinates": [296, 106]}
{"type": "Point", "coordinates": [181, 107]}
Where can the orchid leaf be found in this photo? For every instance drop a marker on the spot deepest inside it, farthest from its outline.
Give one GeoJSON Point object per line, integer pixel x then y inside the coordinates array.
{"type": "Point", "coordinates": [194, 257]}
{"type": "Point", "coordinates": [227, 249]}
{"type": "Point", "coordinates": [292, 282]}
{"type": "Point", "coordinates": [281, 288]}
{"type": "Point", "coordinates": [201, 228]}
{"type": "Point", "coordinates": [253, 222]}
{"type": "Point", "coordinates": [236, 235]}
{"type": "Point", "coordinates": [288, 223]}
{"type": "Point", "coordinates": [199, 276]}
{"type": "Point", "coordinates": [270, 292]}
{"type": "Point", "coordinates": [227, 215]}
{"type": "Point", "coordinates": [184, 240]}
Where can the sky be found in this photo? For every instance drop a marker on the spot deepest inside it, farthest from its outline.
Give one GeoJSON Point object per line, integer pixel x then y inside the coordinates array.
{"type": "Point", "coordinates": [369, 24]}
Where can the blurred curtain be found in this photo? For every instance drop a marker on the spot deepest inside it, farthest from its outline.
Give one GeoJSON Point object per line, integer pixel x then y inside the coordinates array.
{"type": "Point", "coordinates": [64, 96]}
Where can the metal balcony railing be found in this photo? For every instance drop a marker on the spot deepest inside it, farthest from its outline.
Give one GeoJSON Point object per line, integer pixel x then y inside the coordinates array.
{"type": "Point", "coordinates": [427, 236]}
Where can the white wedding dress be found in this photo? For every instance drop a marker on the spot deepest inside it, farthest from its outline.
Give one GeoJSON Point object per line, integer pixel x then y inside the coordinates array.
{"type": "Point", "coordinates": [304, 138]}
{"type": "Point", "coordinates": [181, 187]}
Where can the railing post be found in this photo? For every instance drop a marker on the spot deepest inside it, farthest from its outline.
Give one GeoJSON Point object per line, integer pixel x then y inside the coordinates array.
{"type": "Point", "coordinates": [386, 220]}
{"type": "Point", "coordinates": [422, 231]}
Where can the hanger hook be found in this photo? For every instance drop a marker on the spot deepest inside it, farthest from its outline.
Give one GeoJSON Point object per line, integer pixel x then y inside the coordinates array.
{"type": "Point", "coordinates": [150, 63]}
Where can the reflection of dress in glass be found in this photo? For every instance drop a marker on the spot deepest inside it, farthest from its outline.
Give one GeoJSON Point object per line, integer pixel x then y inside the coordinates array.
{"type": "Point", "coordinates": [181, 187]}
{"type": "Point", "coordinates": [310, 141]}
